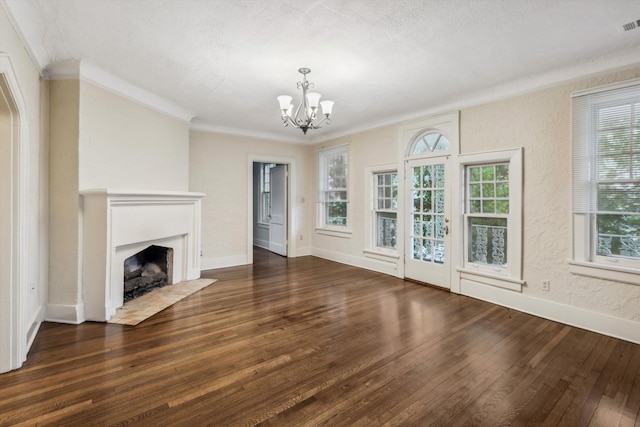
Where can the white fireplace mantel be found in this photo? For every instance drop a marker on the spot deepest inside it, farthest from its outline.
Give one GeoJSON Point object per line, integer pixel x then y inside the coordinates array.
{"type": "Point", "coordinates": [120, 223]}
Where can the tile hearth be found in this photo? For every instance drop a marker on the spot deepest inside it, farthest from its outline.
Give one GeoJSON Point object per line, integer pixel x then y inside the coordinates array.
{"type": "Point", "coordinates": [145, 306]}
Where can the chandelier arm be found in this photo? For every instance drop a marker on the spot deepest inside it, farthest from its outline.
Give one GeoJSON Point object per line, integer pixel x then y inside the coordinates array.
{"type": "Point", "coordinates": [288, 121]}
{"type": "Point", "coordinates": [325, 119]}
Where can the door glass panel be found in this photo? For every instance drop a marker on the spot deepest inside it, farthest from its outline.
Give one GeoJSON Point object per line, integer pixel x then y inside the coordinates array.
{"type": "Point", "coordinates": [427, 226]}
{"type": "Point", "coordinates": [429, 229]}
{"type": "Point", "coordinates": [426, 250]}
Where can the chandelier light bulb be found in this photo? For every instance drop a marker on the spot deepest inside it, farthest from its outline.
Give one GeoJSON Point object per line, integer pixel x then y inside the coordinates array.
{"type": "Point", "coordinates": [285, 101]}
{"type": "Point", "coordinates": [327, 107]}
{"type": "Point", "coordinates": [313, 98]}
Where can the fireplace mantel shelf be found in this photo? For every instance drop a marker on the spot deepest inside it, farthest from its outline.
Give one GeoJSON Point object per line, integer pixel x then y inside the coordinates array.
{"type": "Point", "coordinates": [130, 193]}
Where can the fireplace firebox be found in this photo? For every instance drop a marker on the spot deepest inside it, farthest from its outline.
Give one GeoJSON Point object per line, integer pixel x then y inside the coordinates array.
{"type": "Point", "coordinates": [147, 270]}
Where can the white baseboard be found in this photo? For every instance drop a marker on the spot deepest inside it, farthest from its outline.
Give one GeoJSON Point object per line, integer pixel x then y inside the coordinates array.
{"type": "Point", "coordinates": [605, 324]}
{"type": "Point", "coordinates": [264, 244]}
{"type": "Point", "coordinates": [229, 261]}
{"type": "Point", "coordinates": [61, 313]}
{"type": "Point", "coordinates": [306, 251]}
{"type": "Point", "coordinates": [32, 328]}
{"type": "Point", "coordinates": [362, 262]}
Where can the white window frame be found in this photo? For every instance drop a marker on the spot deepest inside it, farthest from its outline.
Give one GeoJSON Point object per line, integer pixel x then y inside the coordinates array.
{"type": "Point", "coordinates": [509, 277]}
{"type": "Point", "coordinates": [584, 260]}
{"type": "Point", "coordinates": [321, 226]}
{"type": "Point", "coordinates": [371, 249]}
{"type": "Point", "coordinates": [265, 169]}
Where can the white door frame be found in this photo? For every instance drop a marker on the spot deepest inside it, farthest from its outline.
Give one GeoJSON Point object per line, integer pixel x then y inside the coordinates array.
{"type": "Point", "coordinates": [13, 282]}
{"type": "Point", "coordinates": [291, 191]}
{"type": "Point", "coordinates": [449, 125]}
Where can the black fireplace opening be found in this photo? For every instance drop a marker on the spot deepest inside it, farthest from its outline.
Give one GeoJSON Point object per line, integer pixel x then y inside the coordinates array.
{"type": "Point", "coordinates": [147, 270]}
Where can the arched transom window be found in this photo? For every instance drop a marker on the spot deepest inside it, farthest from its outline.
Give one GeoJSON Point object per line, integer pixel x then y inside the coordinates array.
{"type": "Point", "coordinates": [429, 142]}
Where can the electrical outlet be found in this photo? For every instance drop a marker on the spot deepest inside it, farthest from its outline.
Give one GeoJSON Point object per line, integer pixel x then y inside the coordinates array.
{"type": "Point", "coordinates": [301, 237]}
{"type": "Point", "coordinates": [545, 285]}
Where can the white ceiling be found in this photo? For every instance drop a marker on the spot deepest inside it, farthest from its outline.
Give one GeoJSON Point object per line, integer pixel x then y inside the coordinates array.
{"type": "Point", "coordinates": [381, 61]}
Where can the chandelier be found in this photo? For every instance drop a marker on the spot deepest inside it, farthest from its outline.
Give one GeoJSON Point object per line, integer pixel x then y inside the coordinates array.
{"type": "Point", "coordinates": [307, 112]}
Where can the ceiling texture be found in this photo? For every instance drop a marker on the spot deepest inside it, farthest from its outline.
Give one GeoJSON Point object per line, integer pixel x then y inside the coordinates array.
{"type": "Point", "coordinates": [382, 61]}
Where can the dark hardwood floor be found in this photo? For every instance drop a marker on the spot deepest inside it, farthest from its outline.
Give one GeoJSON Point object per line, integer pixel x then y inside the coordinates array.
{"type": "Point", "coordinates": [306, 342]}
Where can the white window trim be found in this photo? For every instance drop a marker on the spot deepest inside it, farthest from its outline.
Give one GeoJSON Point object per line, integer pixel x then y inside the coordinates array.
{"type": "Point", "coordinates": [371, 250]}
{"type": "Point", "coordinates": [511, 276]}
{"type": "Point", "coordinates": [321, 227]}
{"type": "Point", "coordinates": [582, 261]}
{"type": "Point", "coordinates": [261, 216]}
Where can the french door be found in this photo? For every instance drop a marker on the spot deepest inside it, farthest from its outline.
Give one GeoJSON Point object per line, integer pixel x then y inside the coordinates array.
{"type": "Point", "coordinates": [428, 206]}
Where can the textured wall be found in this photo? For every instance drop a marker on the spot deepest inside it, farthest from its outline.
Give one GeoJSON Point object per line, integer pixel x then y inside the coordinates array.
{"type": "Point", "coordinates": [540, 122]}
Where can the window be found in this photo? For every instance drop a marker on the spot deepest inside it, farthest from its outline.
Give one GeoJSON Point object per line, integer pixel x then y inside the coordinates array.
{"type": "Point", "coordinates": [333, 183]}
{"type": "Point", "coordinates": [430, 142]}
{"type": "Point", "coordinates": [606, 179]}
{"type": "Point", "coordinates": [492, 217]}
{"type": "Point", "coordinates": [265, 192]}
{"type": "Point", "coordinates": [487, 213]}
{"type": "Point", "coordinates": [385, 206]}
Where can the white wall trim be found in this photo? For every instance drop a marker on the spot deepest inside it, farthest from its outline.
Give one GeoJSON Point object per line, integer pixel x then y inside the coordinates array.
{"type": "Point", "coordinates": [222, 262]}
{"type": "Point", "coordinates": [65, 313]}
{"type": "Point", "coordinates": [601, 323]}
{"type": "Point", "coordinates": [289, 138]}
{"type": "Point", "coordinates": [35, 323]}
{"type": "Point", "coordinates": [261, 243]}
{"type": "Point", "coordinates": [372, 264]}
{"type": "Point", "coordinates": [13, 305]}
{"type": "Point", "coordinates": [306, 251]}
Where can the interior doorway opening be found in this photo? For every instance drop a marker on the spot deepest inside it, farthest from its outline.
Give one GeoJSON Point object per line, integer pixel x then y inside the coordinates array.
{"type": "Point", "coordinates": [270, 219]}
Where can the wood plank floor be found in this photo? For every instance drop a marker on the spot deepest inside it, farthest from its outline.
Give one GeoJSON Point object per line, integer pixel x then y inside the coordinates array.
{"type": "Point", "coordinates": [307, 342]}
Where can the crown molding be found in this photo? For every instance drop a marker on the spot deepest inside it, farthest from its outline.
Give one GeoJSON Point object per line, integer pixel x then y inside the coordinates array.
{"type": "Point", "coordinates": [198, 125]}
{"type": "Point", "coordinates": [79, 69]}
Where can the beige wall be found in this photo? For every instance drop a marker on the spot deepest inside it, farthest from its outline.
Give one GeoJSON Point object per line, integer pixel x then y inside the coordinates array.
{"type": "Point", "coordinates": [126, 145]}
{"type": "Point", "coordinates": [219, 167]}
{"type": "Point", "coordinates": [370, 148]}
{"type": "Point", "coordinates": [64, 269]}
{"type": "Point", "coordinates": [33, 91]}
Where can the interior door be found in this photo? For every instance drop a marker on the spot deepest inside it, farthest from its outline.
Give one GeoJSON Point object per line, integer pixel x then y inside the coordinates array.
{"type": "Point", "coordinates": [278, 220]}
{"type": "Point", "coordinates": [428, 238]}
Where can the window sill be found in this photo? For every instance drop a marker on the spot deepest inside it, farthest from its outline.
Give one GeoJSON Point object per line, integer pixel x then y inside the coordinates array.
{"type": "Point", "coordinates": [606, 272]}
{"type": "Point", "coordinates": [498, 280]}
{"type": "Point", "coordinates": [390, 256]}
{"type": "Point", "coordinates": [344, 234]}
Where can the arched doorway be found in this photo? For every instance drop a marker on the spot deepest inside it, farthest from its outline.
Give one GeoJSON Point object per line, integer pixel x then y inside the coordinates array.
{"type": "Point", "coordinates": [12, 223]}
